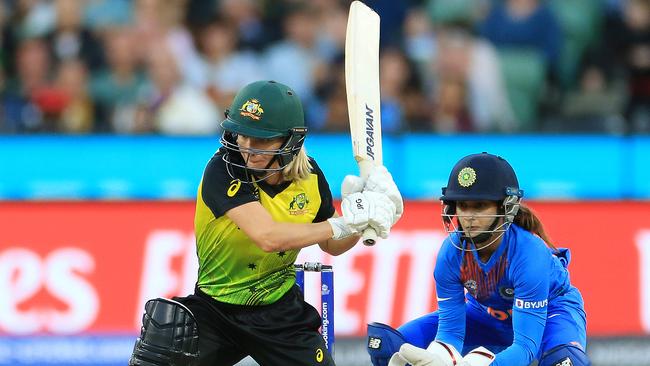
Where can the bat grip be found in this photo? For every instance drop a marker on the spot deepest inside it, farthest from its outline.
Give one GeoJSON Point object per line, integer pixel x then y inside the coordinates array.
{"type": "Point", "coordinates": [369, 237]}
{"type": "Point", "coordinates": [369, 234]}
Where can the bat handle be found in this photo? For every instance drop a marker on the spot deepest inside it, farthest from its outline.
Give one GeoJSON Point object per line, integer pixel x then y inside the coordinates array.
{"type": "Point", "coordinates": [369, 237]}
{"type": "Point", "coordinates": [369, 234]}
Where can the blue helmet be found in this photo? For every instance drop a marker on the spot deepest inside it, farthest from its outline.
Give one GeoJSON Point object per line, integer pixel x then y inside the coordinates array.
{"type": "Point", "coordinates": [481, 177]}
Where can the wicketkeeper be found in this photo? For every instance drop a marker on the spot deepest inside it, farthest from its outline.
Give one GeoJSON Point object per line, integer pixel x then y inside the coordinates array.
{"type": "Point", "coordinates": [504, 293]}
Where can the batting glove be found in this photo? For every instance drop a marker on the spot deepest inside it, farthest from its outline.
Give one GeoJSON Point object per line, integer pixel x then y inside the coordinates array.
{"type": "Point", "coordinates": [340, 229]}
{"type": "Point", "coordinates": [363, 209]}
{"type": "Point", "coordinates": [351, 184]}
{"type": "Point", "coordinates": [381, 181]}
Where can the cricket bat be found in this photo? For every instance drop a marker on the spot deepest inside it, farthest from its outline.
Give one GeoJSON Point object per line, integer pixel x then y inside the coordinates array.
{"type": "Point", "coordinates": [362, 89]}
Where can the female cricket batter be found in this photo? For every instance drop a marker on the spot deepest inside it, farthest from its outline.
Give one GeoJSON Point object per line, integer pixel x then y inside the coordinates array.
{"type": "Point", "coordinates": [260, 201]}
{"type": "Point", "coordinates": [519, 303]}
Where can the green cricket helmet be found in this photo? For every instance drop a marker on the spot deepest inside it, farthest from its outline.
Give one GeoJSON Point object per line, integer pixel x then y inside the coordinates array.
{"type": "Point", "coordinates": [265, 110]}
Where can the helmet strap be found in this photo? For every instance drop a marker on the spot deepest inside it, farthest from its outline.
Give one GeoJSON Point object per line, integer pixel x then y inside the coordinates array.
{"type": "Point", "coordinates": [511, 206]}
{"type": "Point", "coordinates": [266, 172]}
{"type": "Point", "coordinates": [291, 146]}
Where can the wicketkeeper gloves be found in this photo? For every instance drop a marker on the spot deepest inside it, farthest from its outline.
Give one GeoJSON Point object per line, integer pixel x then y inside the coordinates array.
{"type": "Point", "coordinates": [439, 354]}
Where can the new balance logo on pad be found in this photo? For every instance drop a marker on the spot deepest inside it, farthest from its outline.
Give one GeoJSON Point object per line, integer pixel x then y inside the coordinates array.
{"type": "Point", "coordinates": [565, 362]}
{"type": "Point", "coordinates": [374, 343]}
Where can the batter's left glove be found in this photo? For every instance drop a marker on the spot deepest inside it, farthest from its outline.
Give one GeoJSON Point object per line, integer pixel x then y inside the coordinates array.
{"type": "Point", "coordinates": [381, 181]}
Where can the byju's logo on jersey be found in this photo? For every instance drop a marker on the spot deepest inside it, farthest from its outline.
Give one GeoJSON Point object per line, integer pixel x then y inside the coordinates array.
{"type": "Point", "coordinates": [519, 303]}
{"type": "Point", "coordinates": [298, 206]}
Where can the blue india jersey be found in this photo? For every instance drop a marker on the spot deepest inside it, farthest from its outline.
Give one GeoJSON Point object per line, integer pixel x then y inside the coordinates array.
{"type": "Point", "coordinates": [522, 280]}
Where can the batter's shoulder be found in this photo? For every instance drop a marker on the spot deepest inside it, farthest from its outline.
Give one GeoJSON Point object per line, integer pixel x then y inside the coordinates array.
{"type": "Point", "coordinates": [216, 165]}
{"type": "Point", "coordinates": [218, 170]}
{"type": "Point", "coordinates": [326, 209]}
{"type": "Point", "coordinates": [220, 191]}
{"type": "Point", "coordinates": [315, 168]}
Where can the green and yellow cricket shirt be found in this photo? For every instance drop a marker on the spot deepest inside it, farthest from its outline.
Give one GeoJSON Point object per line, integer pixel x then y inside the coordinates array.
{"type": "Point", "coordinates": [232, 269]}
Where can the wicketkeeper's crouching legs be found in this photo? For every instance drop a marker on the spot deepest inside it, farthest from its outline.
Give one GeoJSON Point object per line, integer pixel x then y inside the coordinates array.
{"type": "Point", "coordinates": [169, 336]}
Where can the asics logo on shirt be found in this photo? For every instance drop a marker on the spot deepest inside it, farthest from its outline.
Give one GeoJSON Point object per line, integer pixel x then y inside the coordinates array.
{"type": "Point", "coordinates": [234, 187]}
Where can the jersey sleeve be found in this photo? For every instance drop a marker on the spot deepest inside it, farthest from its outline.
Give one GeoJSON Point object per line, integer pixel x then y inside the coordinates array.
{"type": "Point", "coordinates": [450, 296]}
{"type": "Point", "coordinates": [220, 191]}
{"type": "Point", "coordinates": [326, 209]}
{"type": "Point", "coordinates": [530, 272]}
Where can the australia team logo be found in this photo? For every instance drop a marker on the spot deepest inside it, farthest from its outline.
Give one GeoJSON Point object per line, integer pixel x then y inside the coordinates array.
{"type": "Point", "coordinates": [466, 177]}
{"type": "Point", "coordinates": [298, 206]}
{"type": "Point", "coordinates": [252, 109]}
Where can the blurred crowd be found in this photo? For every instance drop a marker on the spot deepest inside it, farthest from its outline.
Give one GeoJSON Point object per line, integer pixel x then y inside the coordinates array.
{"type": "Point", "coordinates": [172, 66]}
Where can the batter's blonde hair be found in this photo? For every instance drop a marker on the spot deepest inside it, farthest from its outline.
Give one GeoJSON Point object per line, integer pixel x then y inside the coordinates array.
{"type": "Point", "coordinates": [299, 168]}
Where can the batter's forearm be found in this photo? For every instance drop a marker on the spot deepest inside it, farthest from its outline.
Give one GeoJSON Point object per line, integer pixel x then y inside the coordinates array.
{"type": "Point", "coordinates": [337, 247]}
{"type": "Point", "coordinates": [281, 236]}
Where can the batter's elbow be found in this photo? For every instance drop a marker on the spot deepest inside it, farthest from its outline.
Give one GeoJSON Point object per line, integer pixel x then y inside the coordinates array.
{"type": "Point", "coordinates": [269, 242]}
{"type": "Point", "coordinates": [268, 246]}
{"type": "Point", "coordinates": [334, 252]}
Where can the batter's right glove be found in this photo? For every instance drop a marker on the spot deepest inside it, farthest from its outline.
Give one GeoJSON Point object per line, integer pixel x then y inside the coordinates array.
{"type": "Point", "coordinates": [369, 209]}
{"type": "Point", "coordinates": [379, 181]}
